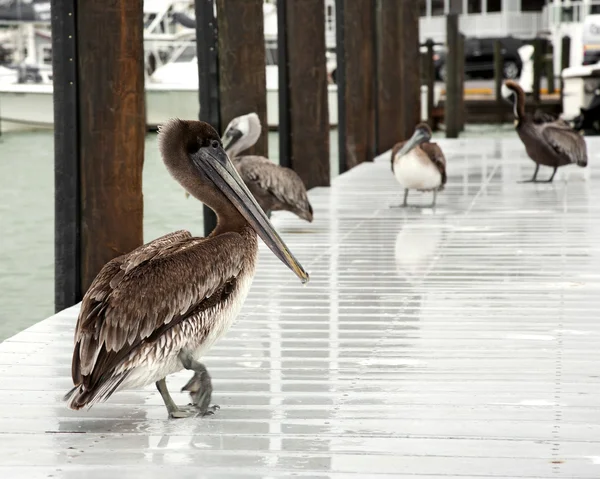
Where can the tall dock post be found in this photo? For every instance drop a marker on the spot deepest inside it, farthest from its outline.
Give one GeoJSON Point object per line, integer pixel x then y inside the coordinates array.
{"type": "Point", "coordinates": [100, 127]}
{"type": "Point", "coordinates": [355, 44]}
{"type": "Point", "coordinates": [452, 105]}
{"type": "Point", "coordinates": [498, 74]}
{"type": "Point", "coordinates": [231, 68]}
{"type": "Point", "coordinates": [208, 75]}
{"type": "Point", "coordinates": [398, 72]}
{"type": "Point", "coordinates": [303, 105]}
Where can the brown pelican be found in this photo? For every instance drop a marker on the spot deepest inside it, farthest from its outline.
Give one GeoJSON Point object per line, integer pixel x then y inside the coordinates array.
{"type": "Point", "coordinates": [275, 187]}
{"type": "Point", "coordinates": [548, 141]}
{"type": "Point", "coordinates": [158, 309]}
{"type": "Point", "coordinates": [418, 164]}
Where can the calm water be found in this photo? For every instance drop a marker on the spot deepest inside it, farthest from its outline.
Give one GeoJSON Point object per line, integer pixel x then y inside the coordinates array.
{"type": "Point", "coordinates": [27, 220]}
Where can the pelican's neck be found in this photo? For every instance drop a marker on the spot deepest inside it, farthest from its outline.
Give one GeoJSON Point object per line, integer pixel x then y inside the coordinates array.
{"type": "Point", "coordinates": [519, 104]}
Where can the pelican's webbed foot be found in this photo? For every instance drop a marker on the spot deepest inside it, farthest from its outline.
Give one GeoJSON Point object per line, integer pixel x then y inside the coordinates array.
{"type": "Point", "coordinates": [175, 411]}
{"type": "Point", "coordinates": [199, 386]}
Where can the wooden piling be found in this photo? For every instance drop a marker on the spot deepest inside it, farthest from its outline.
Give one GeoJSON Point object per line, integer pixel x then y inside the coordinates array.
{"type": "Point", "coordinates": [538, 63]}
{"type": "Point", "coordinates": [242, 77]}
{"type": "Point", "coordinates": [398, 82]}
{"type": "Point", "coordinates": [410, 79]}
{"type": "Point", "coordinates": [356, 89]}
{"type": "Point", "coordinates": [208, 74]}
{"type": "Point", "coordinates": [498, 78]}
{"type": "Point", "coordinates": [565, 60]}
{"type": "Point", "coordinates": [549, 63]}
{"type": "Point", "coordinates": [452, 81]}
{"type": "Point", "coordinates": [461, 87]}
{"type": "Point", "coordinates": [110, 53]}
{"type": "Point", "coordinates": [308, 134]}
{"type": "Point", "coordinates": [429, 67]}
{"type": "Point", "coordinates": [67, 188]}
{"type": "Point", "coordinates": [389, 71]}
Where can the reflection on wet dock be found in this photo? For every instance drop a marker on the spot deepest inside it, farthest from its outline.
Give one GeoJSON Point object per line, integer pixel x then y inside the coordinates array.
{"type": "Point", "coordinates": [461, 341]}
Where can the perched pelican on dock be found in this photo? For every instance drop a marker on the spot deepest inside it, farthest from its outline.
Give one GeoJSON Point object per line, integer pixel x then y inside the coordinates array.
{"type": "Point", "coordinates": [418, 164]}
{"type": "Point", "coordinates": [158, 309]}
{"type": "Point", "coordinates": [275, 187]}
{"type": "Point", "coordinates": [548, 141]}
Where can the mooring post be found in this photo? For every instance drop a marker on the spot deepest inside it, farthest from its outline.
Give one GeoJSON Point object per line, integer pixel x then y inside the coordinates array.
{"type": "Point", "coordinates": [208, 73]}
{"type": "Point", "coordinates": [461, 77]}
{"type": "Point", "coordinates": [538, 63]}
{"type": "Point", "coordinates": [389, 87]}
{"type": "Point", "coordinates": [430, 79]}
{"type": "Point", "coordinates": [498, 77]}
{"type": "Point", "coordinates": [410, 79]}
{"type": "Point", "coordinates": [285, 147]}
{"type": "Point", "coordinates": [356, 89]}
{"type": "Point", "coordinates": [452, 103]}
{"type": "Point", "coordinates": [67, 191]}
{"type": "Point", "coordinates": [307, 91]}
{"type": "Point", "coordinates": [565, 60]}
{"type": "Point", "coordinates": [242, 76]}
{"type": "Point", "coordinates": [549, 58]}
{"type": "Point", "coordinates": [100, 128]}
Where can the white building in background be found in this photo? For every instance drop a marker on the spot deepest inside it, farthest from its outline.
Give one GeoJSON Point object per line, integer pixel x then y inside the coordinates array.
{"type": "Point", "coordinates": [485, 18]}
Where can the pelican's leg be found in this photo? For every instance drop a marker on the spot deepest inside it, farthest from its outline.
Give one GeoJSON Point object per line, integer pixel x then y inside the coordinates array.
{"type": "Point", "coordinates": [199, 386]}
{"type": "Point", "coordinates": [269, 214]}
{"type": "Point", "coordinates": [533, 179]}
{"type": "Point", "coordinates": [175, 411]}
{"type": "Point", "coordinates": [552, 177]}
{"type": "Point", "coordinates": [404, 203]}
{"type": "Point", "coordinates": [434, 198]}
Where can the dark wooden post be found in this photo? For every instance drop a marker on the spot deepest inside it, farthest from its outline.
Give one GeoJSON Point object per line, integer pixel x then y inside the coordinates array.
{"type": "Point", "coordinates": [538, 59]}
{"type": "Point", "coordinates": [452, 81]}
{"type": "Point", "coordinates": [110, 52]}
{"type": "Point", "coordinates": [356, 89]}
{"type": "Point", "coordinates": [398, 72]}
{"type": "Point", "coordinates": [498, 77]}
{"type": "Point", "coordinates": [549, 62]}
{"type": "Point", "coordinates": [430, 79]}
{"type": "Point", "coordinates": [285, 146]}
{"type": "Point", "coordinates": [67, 189]}
{"type": "Point", "coordinates": [242, 77]}
{"type": "Point", "coordinates": [208, 72]}
{"type": "Point", "coordinates": [410, 78]}
{"type": "Point", "coordinates": [308, 133]}
{"type": "Point", "coordinates": [565, 60]}
{"type": "Point", "coordinates": [461, 77]}
{"type": "Point", "coordinates": [100, 127]}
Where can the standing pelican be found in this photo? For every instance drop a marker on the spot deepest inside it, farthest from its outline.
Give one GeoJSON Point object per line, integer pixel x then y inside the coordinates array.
{"type": "Point", "coordinates": [548, 141]}
{"type": "Point", "coordinates": [158, 309]}
{"type": "Point", "coordinates": [275, 187]}
{"type": "Point", "coordinates": [418, 164]}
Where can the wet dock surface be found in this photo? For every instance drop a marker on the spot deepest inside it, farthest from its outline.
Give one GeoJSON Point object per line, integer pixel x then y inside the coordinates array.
{"type": "Point", "coordinates": [457, 342]}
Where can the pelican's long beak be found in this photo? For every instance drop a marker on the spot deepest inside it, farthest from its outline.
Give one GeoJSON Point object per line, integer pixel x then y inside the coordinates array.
{"type": "Point", "coordinates": [231, 137]}
{"type": "Point", "coordinates": [213, 162]}
{"type": "Point", "coordinates": [419, 136]}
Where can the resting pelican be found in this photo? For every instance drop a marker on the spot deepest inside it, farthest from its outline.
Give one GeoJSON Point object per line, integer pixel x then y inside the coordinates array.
{"type": "Point", "coordinates": [418, 164]}
{"type": "Point", "coordinates": [548, 141]}
{"type": "Point", "coordinates": [275, 187]}
{"type": "Point", "coordinates": [158, 309]}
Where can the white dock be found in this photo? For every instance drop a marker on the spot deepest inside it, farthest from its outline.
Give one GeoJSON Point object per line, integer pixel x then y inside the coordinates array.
{"type": "Point", "coordinates": [461, 342]}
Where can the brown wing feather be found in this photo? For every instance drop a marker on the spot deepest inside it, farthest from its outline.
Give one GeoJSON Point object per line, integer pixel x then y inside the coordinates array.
{"type": "Point", "coordinates": [283, 183]}
{"type": "Point", "coordinates": [139, 295]}
{"type": "Point", "coordinates": [565, 141]}
{"type": "Point", "coordinates": [435, 154]}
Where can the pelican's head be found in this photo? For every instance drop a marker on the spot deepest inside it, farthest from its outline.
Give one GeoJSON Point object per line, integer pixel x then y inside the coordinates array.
{"type": "Point", "coordinates": [241, 133]}
{"type": "Point", "coordinates": [422, 134]}
{"type": "Point", "coordinates": [194, 155]}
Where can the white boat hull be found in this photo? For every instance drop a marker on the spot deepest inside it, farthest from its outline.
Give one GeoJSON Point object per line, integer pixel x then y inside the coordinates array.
{"type": "Point", "coordinates": [29, 106]}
